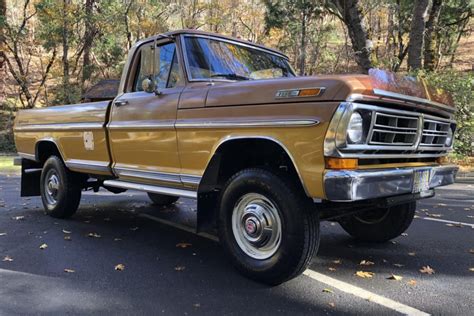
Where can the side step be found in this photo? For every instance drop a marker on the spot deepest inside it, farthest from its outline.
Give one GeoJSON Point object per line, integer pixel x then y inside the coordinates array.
{"type": "Point", "coordinates": [151, 188]}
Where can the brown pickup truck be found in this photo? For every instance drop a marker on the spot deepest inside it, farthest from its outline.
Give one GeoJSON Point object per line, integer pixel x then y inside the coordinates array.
{"type": "Point", "coordinates": [267, 154]}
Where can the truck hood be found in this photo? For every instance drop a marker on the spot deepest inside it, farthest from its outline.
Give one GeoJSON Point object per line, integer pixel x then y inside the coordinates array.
{"type": "Point", "coordinates": [378, 84]}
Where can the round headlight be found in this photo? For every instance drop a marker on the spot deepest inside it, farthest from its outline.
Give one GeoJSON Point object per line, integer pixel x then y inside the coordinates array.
{"type": "Point", "coordinates": [355, 129]}
{"type": "Point", "coordinates": [449, 138]}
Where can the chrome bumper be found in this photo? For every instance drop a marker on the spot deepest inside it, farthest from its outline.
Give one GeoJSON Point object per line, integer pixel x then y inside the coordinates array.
{"type": "Point", "coordinates": [355, 185]}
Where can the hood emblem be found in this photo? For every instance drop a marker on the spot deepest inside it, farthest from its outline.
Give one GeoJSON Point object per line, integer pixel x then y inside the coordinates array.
{"type": "Point", "coordinates": [299, 93]}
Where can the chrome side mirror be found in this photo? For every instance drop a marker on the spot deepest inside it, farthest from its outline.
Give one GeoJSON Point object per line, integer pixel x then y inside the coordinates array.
{"type": "Point", "coordinates": [148, 85]}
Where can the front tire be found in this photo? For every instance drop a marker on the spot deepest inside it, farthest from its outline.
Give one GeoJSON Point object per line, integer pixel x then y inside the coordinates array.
{"type": "Point", "coordinates": [380, 225]}
{"type": "Point", "coordinates": [267, 226]}
{"type": "Point", "coordinates": [60, 189]}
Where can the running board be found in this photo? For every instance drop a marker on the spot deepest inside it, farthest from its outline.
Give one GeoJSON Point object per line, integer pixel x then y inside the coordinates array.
{"type": "Point", "coordinates": [151, 188]}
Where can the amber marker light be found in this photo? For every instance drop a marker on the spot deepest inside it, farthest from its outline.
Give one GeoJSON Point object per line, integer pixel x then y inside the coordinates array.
{"type": "Point", "coordinates": [341, 163]}
{"type": "Point", "coordinates": [313, 92]}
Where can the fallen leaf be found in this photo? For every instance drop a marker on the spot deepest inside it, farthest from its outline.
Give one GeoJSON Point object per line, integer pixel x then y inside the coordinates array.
{"type": "Point", "coordinates": [7, 259]}
{"type": "Point", "coordinates": [43, 246]}
{"type": "Point", "coordinates": [427, 270]}
{"type": "Point", "coordinates": [435, 215]}
{"type": "Point", "coordinates": [69, 270]}
{"type": "Point", "coordinates": [331, 304]}
{"type": "Point", "coordinates": [366, 263]}
{"type": "Point", "coordinates": [411, 282]}
{"type": "Point", "coordinates": [442, 204]}
{"type": "Point", "coordinates": [404, 234]}
{"type": "Point", "coordinates": [328, 291]}
{"type": "Point", "coordinates": [395, 277]}
{"type": "Point", "coordinates": [18, 218]}
{"type": "Point", "coordinates": [338, 261]}
{"type": "Point", "coordinates": [470, 216]}
{"type": "Point", "coordinates": [412, 254]}
{"type": "Point", "coordinates": [471, 251]}
{"type": "Point", "coordinates": [364, 274]}
{"type": "Point", "coordinates": [134, 228]}
{"type": "Point", "coordinates": [119, 267]}
{"type": "Point", "coordinates": [459, 225]}
{"type": "Point", "coordinates": [3, 234]}
{"type": "Point", "coordinates": [471, 269]}
{"type": "Point", "coordinates": [66, 231]}
{"type": "Point", "coordinates": [332, 269]}
{"type": "Point", "coordinates": [94, 235]}
{"type": "Point", "coordinates": [183, 245]}
{"type": "Point", "coordinates": [117, 239]}
{"type": "Point", "coordinates": [398, 265]}
{"type": "Point", "coordinates": [196, 305]}
{"type": "Point", "coordinates": [67, 238]}
{"type": "Point", "coordinates": [179, 268]}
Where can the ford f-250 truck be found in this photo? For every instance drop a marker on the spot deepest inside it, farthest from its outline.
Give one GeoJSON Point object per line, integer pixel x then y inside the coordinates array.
{"type": "Point", "coordinates": [267, 154]}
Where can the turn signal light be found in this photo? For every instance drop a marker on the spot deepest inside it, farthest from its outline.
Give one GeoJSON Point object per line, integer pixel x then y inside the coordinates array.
{"type": "Point", "coordinates": [310, 92]}
{"type": "Point", "coordinates": [341, 163]}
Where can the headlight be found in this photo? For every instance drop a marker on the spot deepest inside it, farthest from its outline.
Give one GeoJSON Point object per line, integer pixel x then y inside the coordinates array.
{"type": "Point", "coordinates": [355, 129]}
{"type": "Point", "coordinates": [449, 138]}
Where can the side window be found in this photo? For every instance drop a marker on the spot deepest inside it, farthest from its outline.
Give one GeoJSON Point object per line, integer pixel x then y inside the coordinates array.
{"type": "Point", "coordinates": [145, 67]}
{"type": "Point", "coordinates": [167, 68]}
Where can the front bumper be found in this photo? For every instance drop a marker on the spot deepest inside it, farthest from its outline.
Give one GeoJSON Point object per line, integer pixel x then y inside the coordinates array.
{"type": "Point", "coordinates": [355, 185]}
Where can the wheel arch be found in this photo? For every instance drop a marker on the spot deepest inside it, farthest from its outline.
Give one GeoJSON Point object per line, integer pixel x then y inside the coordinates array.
{"type": "Point", "coordinates": [44, 148]}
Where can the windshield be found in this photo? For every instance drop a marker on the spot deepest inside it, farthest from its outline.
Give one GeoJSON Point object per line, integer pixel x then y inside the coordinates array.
{"type": "Point", "coordinates": [211, 59]}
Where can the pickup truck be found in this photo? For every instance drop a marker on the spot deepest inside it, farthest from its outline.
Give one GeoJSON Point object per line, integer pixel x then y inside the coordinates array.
{"type": "Point", "coordinates": [266, 154]}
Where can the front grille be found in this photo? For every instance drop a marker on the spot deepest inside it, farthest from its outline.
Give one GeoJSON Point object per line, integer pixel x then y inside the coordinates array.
{"type": "Point", "coordinates": [434, 133]}
{"type": "Point", "coordinates": [394, 130]}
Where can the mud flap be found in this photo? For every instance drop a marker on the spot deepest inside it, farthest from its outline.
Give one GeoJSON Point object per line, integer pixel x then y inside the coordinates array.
{"type": "Point", "coordinates": [30, 178]}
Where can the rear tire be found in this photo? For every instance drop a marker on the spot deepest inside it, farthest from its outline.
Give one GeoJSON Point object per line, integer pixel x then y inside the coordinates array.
{"type": "Point", "coordinates": [267, 226]}
{"type": "Point", "coordinates": [60, 188]}
{"type": "Point", "coordinates": [161, 199]}
{"type": "Point", "coordinates": [380, 225]}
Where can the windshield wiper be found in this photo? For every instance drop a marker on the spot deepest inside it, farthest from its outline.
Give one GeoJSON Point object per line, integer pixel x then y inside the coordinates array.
{"type": "Point", "coordinates": [230, 76]}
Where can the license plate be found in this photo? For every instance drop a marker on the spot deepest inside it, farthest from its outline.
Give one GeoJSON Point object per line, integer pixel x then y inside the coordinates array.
{"type": "Point", "coordinates": [421, 180]}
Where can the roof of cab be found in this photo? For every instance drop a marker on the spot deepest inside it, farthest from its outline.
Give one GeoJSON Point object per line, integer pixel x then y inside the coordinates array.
{"type": "Point", "coordinates": [198, 32]}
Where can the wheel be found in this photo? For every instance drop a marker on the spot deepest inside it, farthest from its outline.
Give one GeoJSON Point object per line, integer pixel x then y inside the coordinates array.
{"type": "Point", "coordinates": [60, 188]}
{"type": "Point", "coordinates": [267, 226]}
{"type": "Point", "coordinates": [161, 199]}
{"type": "Point", "coordinates": [380, 225]}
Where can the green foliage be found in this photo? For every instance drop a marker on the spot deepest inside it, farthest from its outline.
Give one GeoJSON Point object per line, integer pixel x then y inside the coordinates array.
{"type": "Point", "coordinates": [461, 87]}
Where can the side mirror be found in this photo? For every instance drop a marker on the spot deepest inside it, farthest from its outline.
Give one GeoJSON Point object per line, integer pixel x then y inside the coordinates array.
{"type": "Point", "coordinates": [148, 85]}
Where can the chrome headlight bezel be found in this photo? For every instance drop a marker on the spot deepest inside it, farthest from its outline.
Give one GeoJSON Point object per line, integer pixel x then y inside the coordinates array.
{"type": "Point", "coordinates": [355, 129]}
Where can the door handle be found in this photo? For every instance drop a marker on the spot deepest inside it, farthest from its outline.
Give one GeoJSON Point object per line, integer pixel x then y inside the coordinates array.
{"type": "Point", "coordinates": [121, 102]}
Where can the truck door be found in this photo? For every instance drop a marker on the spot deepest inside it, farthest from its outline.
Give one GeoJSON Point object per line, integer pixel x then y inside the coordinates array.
{"type": "Point", "coordinates": [142, 131]}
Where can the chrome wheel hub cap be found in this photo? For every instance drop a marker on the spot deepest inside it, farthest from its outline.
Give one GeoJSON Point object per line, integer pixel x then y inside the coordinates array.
{"type": "Point", "coordinates": [51, 185]}
{"type": "Point", "coordinates": [256, 226]}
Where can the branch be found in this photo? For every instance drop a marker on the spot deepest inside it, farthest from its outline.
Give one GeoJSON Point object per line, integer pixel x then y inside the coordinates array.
{"type": "Point", "coordinates": [45, 75]}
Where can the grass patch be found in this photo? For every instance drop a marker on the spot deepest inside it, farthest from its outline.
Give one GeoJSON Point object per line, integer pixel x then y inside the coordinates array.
{"type": "Point", "coordinates": [6, 165]}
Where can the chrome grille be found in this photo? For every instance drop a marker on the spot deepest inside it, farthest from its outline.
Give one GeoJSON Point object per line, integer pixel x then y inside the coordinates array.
{"type": "Point", "coordinates": [396, 130]}
{"type": "Point", "coordinates": [434, 133]}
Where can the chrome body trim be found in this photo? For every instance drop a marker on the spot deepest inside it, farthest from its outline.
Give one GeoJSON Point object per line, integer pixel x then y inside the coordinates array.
{"type": "Point", "coordinates": [354, 185]}
{"type": "Point", "coordinates": [87, 165]}
{"type": "Point", "coordinates": [404, 97]}
{"type": "Point", "coordinates": [58, 127]}
{"type": "Point", "coordinates": [141, 125]}
{"type": "Point", "coordinates": [335, 143]}
{"type": "Point", "coordinates": [147, 174]}
{"type": "Point", "coordinates": [246, 124]}
{"type": "Point", "coordinates": [27, 156]}
{"type": "Point", "coordinates": [151, 188]}
{"type": "Point", "coordinates": [191, 180]}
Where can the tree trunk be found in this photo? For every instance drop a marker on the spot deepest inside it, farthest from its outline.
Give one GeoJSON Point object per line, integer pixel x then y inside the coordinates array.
{"type": "Point", "coordinates": [3, 56]}
{"type": "Point", "coordinates": [303, 44]}
{"type": "Point", "coordinates": [65, 59]}
{"type": "Point", "coordinates": [88, 40]}
{"type": "Point", "coordinates": [352, 17]}
{"type": "Point", "coordinates": [431, 35]}
{"type": "Point", "coordinates": [415, 46]}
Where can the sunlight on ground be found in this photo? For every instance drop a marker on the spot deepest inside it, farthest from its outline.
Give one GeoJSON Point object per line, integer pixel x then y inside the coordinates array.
{"type": "Point", "coordinates": [6, 165]}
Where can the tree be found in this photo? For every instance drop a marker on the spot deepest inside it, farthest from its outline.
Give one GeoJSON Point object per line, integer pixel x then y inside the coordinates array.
{"type": "Point", "coordinates": [417, 33]}
{"type": "Point", "coordinates": [430, 36]}
{"type": "Point", "coordinates": [3, 12]}
{"type": "Point", "coordinates": [350, 13]}
{"type": "Point", "coordinates": [89, 35]}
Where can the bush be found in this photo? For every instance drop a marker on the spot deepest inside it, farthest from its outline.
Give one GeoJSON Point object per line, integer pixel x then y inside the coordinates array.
{"type": "Point", "coordinates": [461, 86]}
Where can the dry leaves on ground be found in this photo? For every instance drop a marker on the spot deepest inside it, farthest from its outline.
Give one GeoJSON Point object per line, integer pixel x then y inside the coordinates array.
{"type": "Point", "coordinates": [179, 268]}
{"type": "Point", "coordinates": [459, 225]}
{"type": "Point", "coordinates": [68, 238]}
{"type": "Point", "coordinates": [66, 231]}
{"type": "Point", "coordinates": [398, 265]}
{"type": "Point", "coordinates": [183, 245]}
{"type": "Point", "coordinates": [332, 269]}
{"type": "Point", "coordinates": [18, 218]}
{"type": "Point", "coordinates": [134, 228]}
{"type": "Point", "coordinates": [43, 246]}
{"type": "Point", "coordinates": [69, 270]}
{"type": "Point", "coordinates": [94, 235]}
{"type": "Point", "coordinates": [332, 304]}
{"type": "Point", "coordinates": [395, 277]}
{"type": "Point", "coordinates": [471, 269]}
{"type": "Point", "coordinates": [7, 259]}
{"type": "Point", "coordinates": [412, 254]}
{"type": "Point", "coordinates": [411, 282]}
{"type": "Point", "coordinates": [471, 251]}
{"type": "Point", "coordinates": [338, 261]}
{"type": "Point", "coordinates": [3, 234]}
{"type": "Point", "coordinates": [119, 267]}
{"type": "Point", "coordinates": [427, 270]}
{"type": "Point", "coordinates": [364, 274]}
{"type": "Point", "coordinates": [328, 291]}
{"type": "Point", "coordinates": [366, 263]}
